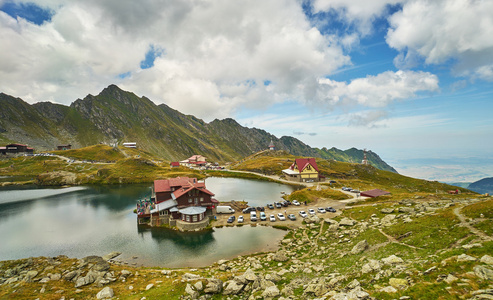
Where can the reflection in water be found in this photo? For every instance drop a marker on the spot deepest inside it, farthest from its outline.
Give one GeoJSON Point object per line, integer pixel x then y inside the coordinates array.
{"type": "Point", "coordinates": [186, 240]}
{"type": "Point", "coordinates": [96, 220]}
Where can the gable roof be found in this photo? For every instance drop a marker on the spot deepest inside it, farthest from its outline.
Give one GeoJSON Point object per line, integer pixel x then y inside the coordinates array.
{"type": "Point", "coordinates": [302, 163]}
{"type": "Point", "coordinates": [179, 186]}
{"type": "Point", "coordinates": [374, 193]}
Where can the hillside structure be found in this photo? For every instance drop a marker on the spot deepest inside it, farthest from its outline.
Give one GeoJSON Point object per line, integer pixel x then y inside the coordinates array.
{"type": "Point", "coordinates": [16, 149]}
{"type": "Point", "coordinates": [194, 161]}
{"type": "Point", "coordinates": [303, 170]}
{"type": "Point", "coordinates": [64, 147]}
{"type": "Point", "coordinates": [365, 160]}
{"type": "Point", "coordinates": [271, 146]}
{"type": "Point", "coordinates": [182, 202]}
{"type": "Point", "coordinates": [130, 145]}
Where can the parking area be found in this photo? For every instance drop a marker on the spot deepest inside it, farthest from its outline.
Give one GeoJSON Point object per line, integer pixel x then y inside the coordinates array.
{"type": "Point", "coordinates": [222, 219]}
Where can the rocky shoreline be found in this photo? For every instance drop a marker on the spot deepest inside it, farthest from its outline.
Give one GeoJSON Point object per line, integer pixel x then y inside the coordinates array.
{"type": "Point", "coordinates": [355, 256]}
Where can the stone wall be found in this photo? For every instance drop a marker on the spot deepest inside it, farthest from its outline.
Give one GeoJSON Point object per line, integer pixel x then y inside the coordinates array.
{"type": "Point", "coordinates": [185, 226]}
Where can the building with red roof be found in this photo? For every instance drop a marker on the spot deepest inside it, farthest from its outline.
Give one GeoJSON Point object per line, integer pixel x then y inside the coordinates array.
{"type": "Point", "coordinates": [194, 161]}
{"type": "Point", "coordinates": [303, 170]}
{"type": "Point", "coordinates": [16, 149]}
{"type": "Point", "coordinates": [374, 193]}
{"type": "Point", "coordinates": [182, 202]}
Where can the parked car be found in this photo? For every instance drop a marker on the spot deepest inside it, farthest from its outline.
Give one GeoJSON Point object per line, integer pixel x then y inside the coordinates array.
{"type": "Point", "coordinates": [311, 211]}
{"type": "Point", "coordinates": [240, 219]}
{"type": "Point", "coordinates": [321, 210]}
{"type": "Point", "coordinates": [278, 204]}
{"type": "Point", "coordinates": [263, 217]}
{"type": "Point", "coordinates": [285, 203]}
{"type": "Point", "coordinates": [281, 217]}
{"type": "Point", "coordinates": [270, 206]}
{"type": "Point", "coordinates": [333, 181]}
{"type": "Point", "coordinates": [231, 219]}
{"type": "Point", "coordinates": [330, 209]}
{"type": "Point", "coordinates": [272, 218]}
{"type": "Point", "coordinates": [295, 202]}
{"type": "Point", "coordinates": [253, 216]}
{"type": "Point", "coordinates": [248, 210]}
{"type": "Point", "coordinates": [292, 217]}
{"type": "Point", "coordinates": [303, 214]}
{"type": "Point", "coordinates": [261, 208]}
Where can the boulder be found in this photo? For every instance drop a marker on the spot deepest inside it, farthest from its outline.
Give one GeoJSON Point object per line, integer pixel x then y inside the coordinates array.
{"type": "Point", "coordinates": [346, 222]}
{"type": "Point", "coordinates": [391, 260]}
{"type": "Point", "coordinates": [199, 285]}
{"type": "Point", "coordinates": [30, 275]}
{"type": "Point", "coordinates": [486, 259]}
{"type": "Point", "coordinates": [105, 293]}
{"type": "Point", "coordinates": [250, 275]}
{"type": "Point", "coordinates": [465, 257]}
{"type": "Point", "coordinates": [99, 264]}
{"type": "Point", "coordinates": [111, 255]}
{"type": "Point", "coordinates": [280, 256]}
{"type": "Point", "coordinates": [406, 209]}
{"type": "Point", "coordinates": [231, 287]}
{"type": "Point", "coordinates": [483, 272]}
{"type": "Point", "coordinates": [372, 265]}
{"type": "Point", "coordinates": [317, 287]}
{"type": "Point", "coordinates": [190, 276]}
{"type": "Point", "coordinates": [387, 210]}
{"type": "Point", "coordinates": [271, 292]}
{"type": "Point", "coordinates": [213, 286]}
{"type": "Point", "coordinates": [398, 283]}
{"type": "Point", "coordinates": [387, 220]}
{"type": "Point", "coordinates": [190, 291]}
{"type": "Point", "coordinates": [360, 247]}
{"type": "Point", "coordinates": [388, 289]}
{"type": "Point", "coordinates": [312, 219]}
{"type": "Point", "coordinates": [149, 286]}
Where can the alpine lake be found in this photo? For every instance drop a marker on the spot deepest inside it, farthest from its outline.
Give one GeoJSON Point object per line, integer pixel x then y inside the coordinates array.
{"type": "Point", "coordinates": [97, 220]}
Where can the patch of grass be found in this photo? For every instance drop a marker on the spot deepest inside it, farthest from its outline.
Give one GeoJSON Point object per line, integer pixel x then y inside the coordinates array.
{"type": "Point", "coordinates": [475, 210]}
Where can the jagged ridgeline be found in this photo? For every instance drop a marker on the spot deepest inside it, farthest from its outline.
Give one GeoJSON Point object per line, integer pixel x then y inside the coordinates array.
{"type": "Point", "coordinates": [121, 116]}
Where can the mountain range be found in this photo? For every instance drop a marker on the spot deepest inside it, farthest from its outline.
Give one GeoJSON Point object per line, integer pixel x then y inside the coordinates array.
{"type": "Point", "coordinates": [117, 116]}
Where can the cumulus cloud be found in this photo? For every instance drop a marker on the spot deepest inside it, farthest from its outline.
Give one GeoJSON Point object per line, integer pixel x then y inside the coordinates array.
{"type": "Point", "coordinates": [377, 91]}
{"type": "Point", "coordinates": [443, 30]}
{"type": "Point", "coordinates": [368, 118]}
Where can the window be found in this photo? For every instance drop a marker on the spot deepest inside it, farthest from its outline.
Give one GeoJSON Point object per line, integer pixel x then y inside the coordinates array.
{"type": "Point", "coordinates": [201, 199]}
{"type": "Point", "coordinates": [188, 218]}
{"type": "Point", "coordinates": [190, 200]}
{"type": "Point", "coordinates": [195, 218]}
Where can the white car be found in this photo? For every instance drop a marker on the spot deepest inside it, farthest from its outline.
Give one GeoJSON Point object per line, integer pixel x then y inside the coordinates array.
{"type": "Point", "coordinates": [281, 217]}
{"type": "Point", "coordinates": [311, 211]}
{"type": "Point", "coordinates": [303, 214]}
{"type": "Point", "coordinates": [272, 218]}
{"type": "Point", "coordinates": [321, 210]}
{"type": "Point", "coordinates": [295, 202]}
{"type": "Point", "coordinates": [240, 219]}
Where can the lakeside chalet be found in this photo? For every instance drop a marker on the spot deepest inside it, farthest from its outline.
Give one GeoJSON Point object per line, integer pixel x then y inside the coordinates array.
{"type": "Point", "coordinates": [16, 149]}
{"type": "Point", "coordinates": [182, 202]}
{"type": "Point", "coordinates": [194, 161]}
{"type": "Point", "coordinates": [303, 170]}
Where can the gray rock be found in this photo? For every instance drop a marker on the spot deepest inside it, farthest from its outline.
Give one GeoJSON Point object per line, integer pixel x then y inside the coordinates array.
{"type": "Point", "coordinates": [387, 210]}
{"type": "Point", "coordinates": [317, 287]}
{"type": "Point", "coordinates": [406, 209]}
{"type": "Point", "coordinates": [271, 292]}
{"type": "Point", "coordinates": [398, 283]}
{"type": "Point", "coordinates": [30, 275]}
{"type": "Point", "coordinates": [465, 257]}
{"type": "Point", "coordinates": [250, 275]}
{"type": "Point", "coordinates": [149, 286]}
{"type": "Point", "coordinates": [388, 289]}
{"type": "Point", "coordinates": [231, 287]}
{"type": "Point", "coordinates": [105, 293]}
{"type": "Point", "coordinates": [486, 259]}
{"type": "Point", "coordinates": [360, 247]}
{"type": "Point", "coordinates": [71, 275]}
{"type": "Point", "coordinates": [372, 265]}
{"type": "Point", "coordinates": [273, 277]}
{"type": "Point", "coordinates": [199, 285]}
{"type": "Point", "coordinates": [483, 272]}
{"type": "Point", "coordinates": [193, 293]}
{"type": "Point", "coordinates": [99, 264]}
{"type": "Point", "coordinates": [111, 255]}
{"type": "Point", "coordinates": [190, 276]}
{"type": "Point", "coordinates": [391, 260]}
{"type": "Point", "coordinates": [387, 220]}
{"type": "Point", "coordinates": [213, 286]}
{"type": "Point", "coordinates": [346, 222]}
{"type": "Point", "coordinates": [280, 256]}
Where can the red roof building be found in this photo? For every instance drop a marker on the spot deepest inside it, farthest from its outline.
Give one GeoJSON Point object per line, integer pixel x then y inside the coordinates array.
{"type": "Point", "coordinates": [194, 161]}
{"type": "Point", "coordinates": [181, 201]}
{"type": "Point", "coordinates": [303, 170]}
{"type": "Point", "coordinates": [374, 193]}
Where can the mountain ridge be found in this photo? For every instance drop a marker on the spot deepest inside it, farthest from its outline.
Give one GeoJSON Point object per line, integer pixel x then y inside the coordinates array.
{"type": "Point", "coordinates": [115, 115]}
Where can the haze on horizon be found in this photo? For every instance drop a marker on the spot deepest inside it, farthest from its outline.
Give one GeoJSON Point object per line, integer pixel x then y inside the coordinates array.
{"type": "Point", "coordinates": [412, 80]}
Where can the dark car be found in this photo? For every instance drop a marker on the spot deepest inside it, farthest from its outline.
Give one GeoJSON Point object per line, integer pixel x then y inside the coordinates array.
{"type": "Point", "coordinates": [231, 219]}
{"type": "Point", "coordinates": [286, 202]}
{"type": "Point", "coordinates": [248, 210]}
{"type": "Point", "coordinates": [270, 206]}
{"type": "Point", "coordinates": [330, 209]}
{"type": "Point", "coordinates": [261, 208]}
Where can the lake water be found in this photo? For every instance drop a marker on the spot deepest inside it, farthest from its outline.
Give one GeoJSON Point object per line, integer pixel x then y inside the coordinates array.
{"type": "Point", "coordinates": [96, 220]}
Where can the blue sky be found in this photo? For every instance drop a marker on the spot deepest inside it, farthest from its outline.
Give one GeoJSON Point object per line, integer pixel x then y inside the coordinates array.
{"type": "Point", "coordinates": [408, 79]}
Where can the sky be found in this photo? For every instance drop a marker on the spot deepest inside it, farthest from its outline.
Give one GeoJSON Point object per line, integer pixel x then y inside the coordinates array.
{"type": "Point", "coordinates": [411, 80]}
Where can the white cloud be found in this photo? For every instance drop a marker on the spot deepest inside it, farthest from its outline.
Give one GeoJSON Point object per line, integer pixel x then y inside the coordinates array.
{"type": "Point", "coordinates": [217, 54]}
{"type": "Point", "coordinates": [446, 29]}
{"type": "Point", "coordinates": [377, 91]}
{"type": "Point", "coordinates": [360, 12]}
